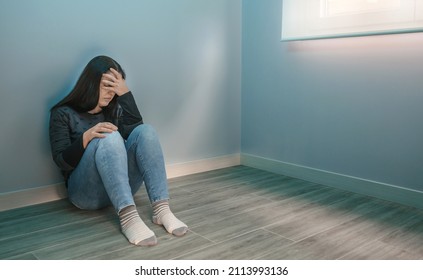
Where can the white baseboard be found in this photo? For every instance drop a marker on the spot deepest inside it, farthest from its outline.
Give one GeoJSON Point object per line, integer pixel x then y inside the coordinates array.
{"type": "Point", "coordinates": [384, 191]}
{"type": "Point", "coordinates": [203, 165]}
{"type": "Point", "coordinates": [48, 193]}
{"type": "Point", "coordinates": [32, 196]}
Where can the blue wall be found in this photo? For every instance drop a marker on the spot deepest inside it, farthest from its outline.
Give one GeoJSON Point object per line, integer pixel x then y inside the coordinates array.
{"type": "Point", "coordinates": [351, 106]}
{"type": "Point", "coordinates": [182, 60]}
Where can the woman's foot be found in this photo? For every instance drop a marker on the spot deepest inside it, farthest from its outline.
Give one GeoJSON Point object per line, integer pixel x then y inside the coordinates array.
{"type": "Point", "coordinates": [163, 216]}
{"type": "Point", "coordinates": [135, 229]}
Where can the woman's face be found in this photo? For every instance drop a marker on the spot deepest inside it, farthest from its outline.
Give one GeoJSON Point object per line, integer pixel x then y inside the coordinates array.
{"type": "Point", "coordinates": [106, 93]}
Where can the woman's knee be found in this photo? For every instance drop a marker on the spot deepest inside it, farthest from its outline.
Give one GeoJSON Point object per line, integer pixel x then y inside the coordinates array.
{"type": "Point", "coordinates": [113, 138]}
{"type": "Point", "coordinates": [111, 141]}
{"type": "Point", "coordinates": [146, 132]}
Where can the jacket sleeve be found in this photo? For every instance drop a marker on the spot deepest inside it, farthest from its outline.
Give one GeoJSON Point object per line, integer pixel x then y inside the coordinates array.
{"type": "Point", "coordinates": [66, 154]}
{"type": "Point", "coordinates": [129, 115]}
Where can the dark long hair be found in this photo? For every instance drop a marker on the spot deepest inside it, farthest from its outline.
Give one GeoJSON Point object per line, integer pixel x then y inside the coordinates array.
{"type": "Point", "coordinates": [84, 96]}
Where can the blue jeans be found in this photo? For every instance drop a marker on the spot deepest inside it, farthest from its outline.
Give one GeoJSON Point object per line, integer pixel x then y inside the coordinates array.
{"type": "Point", "coordinates": [112, 170]}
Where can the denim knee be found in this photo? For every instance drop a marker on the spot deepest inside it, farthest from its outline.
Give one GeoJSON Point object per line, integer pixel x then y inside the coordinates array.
{"type": "Point", "coordinates": [145, 131]}
{"type": "Point", "coordinates": [113, 138]}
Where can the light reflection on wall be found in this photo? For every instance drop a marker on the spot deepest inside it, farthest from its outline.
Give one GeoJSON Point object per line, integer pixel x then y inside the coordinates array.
{"type": "Point", "coordinates": [203, 99]}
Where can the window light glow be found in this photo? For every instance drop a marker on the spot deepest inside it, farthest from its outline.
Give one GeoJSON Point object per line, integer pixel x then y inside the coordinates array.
{"type": "Point", "coordinates": [313, 19]}
{"type": "Point", "coordinates": [350, 7]}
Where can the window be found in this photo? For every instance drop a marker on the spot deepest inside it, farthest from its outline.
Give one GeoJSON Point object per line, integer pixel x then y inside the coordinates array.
{"type": "Point", "coordinates": [313, 19]}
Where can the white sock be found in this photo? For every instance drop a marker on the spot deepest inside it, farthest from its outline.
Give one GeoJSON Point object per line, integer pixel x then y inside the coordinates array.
{"type": "Point", "coordinates": [163, 216]}
{"type": "Point", "coordinates": [135, 229]}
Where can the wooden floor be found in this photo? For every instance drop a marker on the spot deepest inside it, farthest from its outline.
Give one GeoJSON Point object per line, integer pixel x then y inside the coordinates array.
{"type": "Point", "coordinates": [233, 213]}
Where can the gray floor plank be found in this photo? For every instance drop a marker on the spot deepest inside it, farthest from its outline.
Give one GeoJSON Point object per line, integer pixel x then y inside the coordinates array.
{"type": "Point", "coordinates": [410, 237]}
{"type": "Point", "coordinates": [247, 221]}
{"type": "Point", "coordinates": [53, 236]}
{"type": "Point", "coordinates": [233, 213]}
{"type": "Point", "coordinates": [33, 211]}
{"type": "Point", "coordinates": [217, 184]}
{"type": "Point", "coordinates": [25, 256]}
{"type": "Point", "coordinates": [342, 239]}
{"type": "Point", "coordinates": [84, 247]}
{"type": "Point", "coordinates": [168, 247]}
{"type": "Point", "coordinates": [225, 209]}
{"type": "Point", "coordinates": [379, 250]}
{"type": "Point", "coordinates": [243, 247]}
{"type": "Point", "coordinates": [301, 225]}
{"type": "Point", "coordinates": [12, 229]}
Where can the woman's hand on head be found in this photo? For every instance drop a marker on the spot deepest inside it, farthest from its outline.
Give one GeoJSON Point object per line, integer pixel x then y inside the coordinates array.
{"type": "Point", "coordinates": [114, 80]}
{"type": "Point", "coordinates": [97, 131]}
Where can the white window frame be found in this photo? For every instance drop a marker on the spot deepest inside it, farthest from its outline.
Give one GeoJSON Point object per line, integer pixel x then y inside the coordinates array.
{"type": "Point", "coordinates": [313, 19]}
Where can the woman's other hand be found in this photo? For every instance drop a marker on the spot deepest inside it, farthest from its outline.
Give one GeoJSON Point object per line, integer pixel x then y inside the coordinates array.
{"type": "Point", "coordinates": [97, 131]}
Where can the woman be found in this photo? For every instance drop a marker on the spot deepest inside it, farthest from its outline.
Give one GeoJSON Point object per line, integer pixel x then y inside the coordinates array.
{"type": "Point", "coordinates": [105, 152]}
